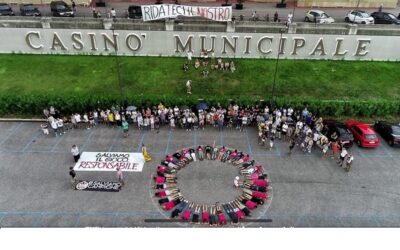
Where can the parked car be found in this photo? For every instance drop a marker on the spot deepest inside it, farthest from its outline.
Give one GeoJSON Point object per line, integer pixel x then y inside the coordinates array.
{"type": "Point", "coordinates": [364, 136]}
{"type": "Point", "coordinates": [5, 10]}
{"type": "Point", "coordinates": [385, 18]}
{"type": "Point", "coordinates": [390, 132]}
{"type": "Point", "coordinates": [135, 12]}
{"type": "Point", "coordinates": [61, 9]}
{"type": "Point", "coordinates": [318, 16]}
{"type": "Point", "coordinates": [344, 135]}
{"type": "Point", "coordinates": [359, 16]}
{"type": "Point", "coordinates": [29, 10]}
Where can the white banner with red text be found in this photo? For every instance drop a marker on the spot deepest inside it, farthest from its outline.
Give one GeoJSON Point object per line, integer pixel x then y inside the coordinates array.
{"type": "Point", "coordinates": [160, 11]}
{"type": "Point", "coordinates": [109, 161]}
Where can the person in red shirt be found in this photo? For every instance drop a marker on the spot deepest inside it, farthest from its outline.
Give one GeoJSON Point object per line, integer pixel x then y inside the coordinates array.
{"type": "Point", "coordinates": [200, 153]}
{"type": "Point", "coordinates": [166, 192]}
{"type": "Point", "coordinates": [335, 148]}
{"type": "Point", "coordinates": [220, 214]}
{"type": "Point", "coordinates": [186, 214]}
{"type": "Point", "coordinates": [221, 153]}
{"type": "Point", "coordinates": [204, 214]}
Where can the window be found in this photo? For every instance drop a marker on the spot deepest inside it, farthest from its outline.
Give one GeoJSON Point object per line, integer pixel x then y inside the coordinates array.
{"type": "Point", "coordinates": [370, 137]}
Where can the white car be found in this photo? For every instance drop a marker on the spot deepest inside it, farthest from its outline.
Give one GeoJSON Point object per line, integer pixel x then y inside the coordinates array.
{"type": "Point", "coordinates": [318, 16]}
{"type": "Point", "coordinates": [359, 16]}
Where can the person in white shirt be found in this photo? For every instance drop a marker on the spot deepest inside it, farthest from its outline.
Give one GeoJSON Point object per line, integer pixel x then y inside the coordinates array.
{"type": "Point", "coordinates": [78, 119]}
{"type": "Point", "coordinates": [140, 121]}
{"type": "Point", "coordinates": [343, 155]}
{"type": "Point", "coordinates": [349, 160]}
{"type": "Point", "coordinates": [54, 126]}
{"type": "Point", "coordinates": [75, 152]}
{"type": "Point", "coordinates": [236, 182]}
{"type": "Point", "coordinates": [60, 126]}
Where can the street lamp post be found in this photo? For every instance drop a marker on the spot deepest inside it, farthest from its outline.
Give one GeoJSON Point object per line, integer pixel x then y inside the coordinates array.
{"type": "Point", "coordinates": [354, 19]}
{"type": "Point", "coordinates": [117, 66]}
{"type": "Point", "coordinates": [272, 103]}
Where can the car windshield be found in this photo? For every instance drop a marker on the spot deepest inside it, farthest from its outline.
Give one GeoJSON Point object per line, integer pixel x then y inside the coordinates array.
{"type": "Point", "coordinates": [396, 130]}
{"type": "Point", "coordinates": [29, 7]}
{"type": "Point", "coordinates": [392, 16]}
{"type": "Point", "coordinates": [370, 137]}
{"type": "Point", "coordinates": [60, 7]}
{"type": "Point", "coordinates": [4, 7]}
{"type": "Point", "coordinates": [342, 130]}
{"type": "Point", "coordinates": [363, 14]}
{"type": "Point", "coordinates": [324, 15]}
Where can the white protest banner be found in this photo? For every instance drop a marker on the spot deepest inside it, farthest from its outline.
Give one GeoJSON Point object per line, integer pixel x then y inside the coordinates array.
{"type": "Point", "coordinates": [160, 11]}
{"type": "Point", "coordinates": [109, 161]}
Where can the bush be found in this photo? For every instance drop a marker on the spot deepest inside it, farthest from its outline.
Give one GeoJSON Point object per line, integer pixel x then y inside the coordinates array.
{"type": "Point", "coordinates": [32, 105]}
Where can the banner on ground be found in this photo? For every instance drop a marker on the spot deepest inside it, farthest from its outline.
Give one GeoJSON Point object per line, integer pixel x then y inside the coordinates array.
{"type": "Point", "coordinates": [105, 186]}
{"type": "Point", "coordinates": [160, 11]}
{"type": "Point", "coordinates": [109, 161]}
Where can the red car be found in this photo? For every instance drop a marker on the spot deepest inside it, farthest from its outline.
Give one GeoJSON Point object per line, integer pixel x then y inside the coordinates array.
{"type": "Point", "coordinates": [364, 136]}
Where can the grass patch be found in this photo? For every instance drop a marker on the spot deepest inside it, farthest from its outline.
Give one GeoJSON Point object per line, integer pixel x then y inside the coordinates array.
{"type": "Point", "coordinates": [87, 75]}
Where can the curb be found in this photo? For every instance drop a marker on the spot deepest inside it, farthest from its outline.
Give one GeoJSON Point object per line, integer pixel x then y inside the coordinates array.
{"type": "Point", "coordinates": [21, 120]}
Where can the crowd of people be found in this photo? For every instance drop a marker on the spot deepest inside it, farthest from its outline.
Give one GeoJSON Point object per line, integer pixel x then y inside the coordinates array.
{"type": "Point", "coordinates": [254, 186]}
{"type": "Point", "coordinates": [299, 128]}
{"type": "Point", "coordinates": [207, 61]}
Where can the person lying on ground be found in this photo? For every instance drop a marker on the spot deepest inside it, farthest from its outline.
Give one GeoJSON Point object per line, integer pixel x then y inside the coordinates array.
{"type": "Point", "coordinates": [257, 182]}
{"type": "Point", "coordinates": [214, 153]}
{"type": "Point", "coordinates": [221, 152]}
{"type": "Point", "coordinates": [245, 200]}
{"type": "Point", "coordinates": [186, 214]}
{"type": "Point", "coordinates": [204, 214]}
{"type": "Point", "coordinates": [193, 154]}
{"type": "Point", "coordinates": [170, 165]}
{"type": "Point", "coordinates": [239, 214]}
{"type": "Point", "coordinates": [171, 204]}
{"type": "Point", "coordinates": [220, 214]}
{"type": "Point", "coordinates": [232, 155]}
{"type": "Point", "coordinates": [196, 214]}
{"type": "Point", "coordinates": [200, 153]}
{"type": "Point", "coordinates": [226, 155]}
{"type": "Point", "coordinates": [244, 158]}
{"type": "Point", "coordinates": [256, 194]}
{"type": "Point", "coordinates": [242, 207]}
{"type": "Point", "coordinates": [165, 185]}
{"type": "Point", "coordinates": [255, 188]}
{"type": "Point", "coordinates": [161, 180]}
{"type": "Point", "coordinates": [164, 169]}
{"type": "Point", "coordinates": [247, 164]}
{"type": "Point", "coordinates": [169, 198]}
{"type": "Point", "coordinates": [208, 152]}
{"type": "Point", "coordinates": [166, 192]}
{"type": "Point", "coordinates": [179, 208]}
{"type": "Point", "coordinates": [166, 175]}
{"type": "Point", "coordinates": [213, 217]}
{"type": "Point", "coordinates": [232, 216]}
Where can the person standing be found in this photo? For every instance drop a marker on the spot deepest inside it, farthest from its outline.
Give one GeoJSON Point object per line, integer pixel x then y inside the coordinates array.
{"type": "Point", "coordinates": [189, 87]}
{"type": "Point", "coordinates": [75, 153]}
{"type": "Point", "coordinates": [343, 155]}
{"type": "Point", "coordinates": [73, 177]}
{"type": "Point", "coordinates": [189, 57]}
{"type": "Point", "coordinates": [145, 154]}
{"type": "Point", "coordinates": [125, 127]}
{"type": "Point", "coordinates": [113, 13]}
{"type": "Point", "coordinates": [291, 146]}
{"type": "Point", "coordinates": [289, 18]}
{"type": "Point", "coordinates": [335, 148]}
{"type": "Point", "coordinates": [276, 16]}
{"type": "Point", "coordinates": [120, 176]}
{"type": "Point", "coordinates": [349, 160]}
{"type": "Point", "coordinates": [74, 7]}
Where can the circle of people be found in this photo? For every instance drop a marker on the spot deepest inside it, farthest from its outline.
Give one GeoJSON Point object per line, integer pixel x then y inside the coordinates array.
{"type": "Point", "coordinates": [254, 186]}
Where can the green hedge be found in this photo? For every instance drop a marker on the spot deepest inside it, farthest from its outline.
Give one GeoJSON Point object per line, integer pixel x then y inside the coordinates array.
{"type": "Point", "coordinates": [32, 105]}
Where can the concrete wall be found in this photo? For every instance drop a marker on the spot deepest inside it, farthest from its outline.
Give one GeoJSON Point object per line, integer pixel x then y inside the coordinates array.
{"type": "Point", "coordinates": [170, 38]}
{"type": "Point", "coordinates": [347, 3]}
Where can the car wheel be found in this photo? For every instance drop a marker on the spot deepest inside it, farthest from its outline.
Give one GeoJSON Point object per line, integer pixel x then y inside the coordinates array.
{"type": "Point", "coordinates": [363, 22]}
{"type": "Point", "coordinates": [390, 142]}
{"type": "Point", "coordinates": [359, 143]}
{"type": "Point", "coordinates": [347, 20]}
{"type": "Point", "coordinates": [306, 19]}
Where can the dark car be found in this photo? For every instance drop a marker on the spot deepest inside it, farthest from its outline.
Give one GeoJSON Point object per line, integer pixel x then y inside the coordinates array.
{"type": "Point", "coordinates": [5, 10]}
{"type": "Point", "coordinates": [60, 8]}
{"type": "Point", "coordinates": [135, 12]}
{"type": "Point", "coordinates": [333, 129]}
{"type": "Point", "coordinates": [29, 10]}
{"type": "Point", "coordinates": [385, 18]}
{"type": "Point", "coordinates": [390, 132]}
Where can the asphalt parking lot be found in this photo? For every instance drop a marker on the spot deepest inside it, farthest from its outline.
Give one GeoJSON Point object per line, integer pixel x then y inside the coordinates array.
{"type": "Point", "coordinates": [308, 191]}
